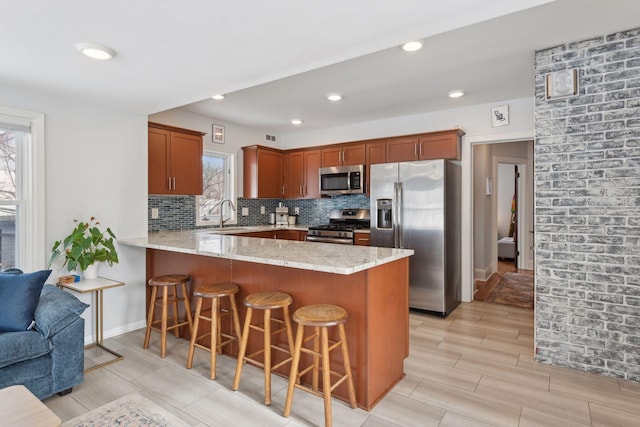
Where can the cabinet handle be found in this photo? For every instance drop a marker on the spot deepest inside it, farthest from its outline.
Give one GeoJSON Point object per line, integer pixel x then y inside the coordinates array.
{"type": "Point", "coordinates": [415, 149]}
{"type": "Point", "coordinates": [283, 190]}
{"type": "Point", "coordinates": [301, 193]}
{"type": "Point", "coordinates": [169, 182]}
{"type": "Point", "coordinates": [173, 179]}
{"type": "Point", "coordinates": [420, 145]}
{"type": "Point", "coordinates": [304, 190]}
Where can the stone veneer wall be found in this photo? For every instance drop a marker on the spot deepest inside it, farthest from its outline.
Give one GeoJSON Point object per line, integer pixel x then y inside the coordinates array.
{"type": "Point", "coordinates": [587, 187]}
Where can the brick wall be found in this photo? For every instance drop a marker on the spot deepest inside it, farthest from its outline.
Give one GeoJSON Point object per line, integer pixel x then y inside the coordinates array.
{"type": "Point", "coordinates": [587, 189]}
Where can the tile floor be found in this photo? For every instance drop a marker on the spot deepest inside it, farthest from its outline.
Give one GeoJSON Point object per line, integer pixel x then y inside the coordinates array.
{"type": "Point", "coordinates": [474, 368]}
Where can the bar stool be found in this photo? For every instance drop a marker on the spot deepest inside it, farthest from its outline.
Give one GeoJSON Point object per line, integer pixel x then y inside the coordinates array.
{"type": "Point", "coordinates": [214, 292]}
{"type": "Point", "coordinates": [266, 301]}
{"type": "Point", "coordinates": [165, 282]}
{"type": "Point", "coordinates": [320, 317]}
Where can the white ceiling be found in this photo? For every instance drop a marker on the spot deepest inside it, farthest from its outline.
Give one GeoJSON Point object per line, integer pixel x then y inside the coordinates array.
{"type": "Point", "coordinates": [273, 58]}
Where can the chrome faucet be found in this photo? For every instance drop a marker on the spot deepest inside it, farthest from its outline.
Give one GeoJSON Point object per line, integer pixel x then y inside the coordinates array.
{"type": "Point", "coordinates": [221, 205]}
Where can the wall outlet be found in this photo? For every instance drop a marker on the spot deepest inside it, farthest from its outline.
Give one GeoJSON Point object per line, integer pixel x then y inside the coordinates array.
{"type": "Point", "coordinates": [262, 211]}
{"type": "Point", "coordinates": [296, 210]}
{"type": "Point", "coordinates": [245, 211]}
{"type": "Point", "coordinates": [154, 213]}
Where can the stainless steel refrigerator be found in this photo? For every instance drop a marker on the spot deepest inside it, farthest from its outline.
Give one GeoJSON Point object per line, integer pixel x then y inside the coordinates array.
{"type": "Point", "coordinates": [416, 205]}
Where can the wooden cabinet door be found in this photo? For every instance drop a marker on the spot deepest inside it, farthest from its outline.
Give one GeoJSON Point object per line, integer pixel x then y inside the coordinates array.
{"type": "Point", "coordinates": [440, 146]}
{"type": "Point", "coordinates": [402, 149]}
{"type": "Point", "coordinates": [332, 156]}
{"type": "Point", "coordinates": [354, 154]}
{"type": "Point", "coordinates": [293, 235]}
{"type": "Point", "coordinates": [269, 174]}
{"type": "Point", "coordinates": [158, 168]}
{"type": "Point", "coordinates": [294, 183]}
{"type": "Point", "coordinates": [312, 163]}
{"type": "Point", "coordinates": [186, 163]}
{"type": "Point", "coordinates": [376, 153]}
{"type": "Point", "coordinates": [362, 239]}
{"type": "Point", "coordinates": [262, 172]}
{"type": "Point", "coordinates": [174, 160]}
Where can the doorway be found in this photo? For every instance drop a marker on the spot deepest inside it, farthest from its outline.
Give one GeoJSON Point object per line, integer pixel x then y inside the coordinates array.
{"type": "Point", "coordinates": [503, 222]}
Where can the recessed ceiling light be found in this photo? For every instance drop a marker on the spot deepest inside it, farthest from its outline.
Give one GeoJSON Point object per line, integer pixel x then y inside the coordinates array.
{"type": "Point", "coordinates": [456, 94]}
{"type": "Point", "coordinates": [334, 97]}
{"type": "Point", "coordinates": [218, 97]}
{"type": "Point", "coordinates": [296, 122]}
{"type": "Point", "coordinates": [96, 51]}
{"type": "Point", "coordinates": [412, 46]}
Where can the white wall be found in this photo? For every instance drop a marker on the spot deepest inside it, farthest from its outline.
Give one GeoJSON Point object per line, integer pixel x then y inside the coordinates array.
{"type": "Point", "coordinates": [236, 136]}
{"type": "Point", "coordinates": [474, 120]}
{"type": "Point", "coordinates": [96, 165]}
{"type": "Point", "coordinates": [504, 188]}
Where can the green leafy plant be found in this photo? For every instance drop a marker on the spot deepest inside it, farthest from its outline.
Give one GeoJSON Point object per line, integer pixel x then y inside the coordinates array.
{"type": "Point", "coordinates": [86, 245]}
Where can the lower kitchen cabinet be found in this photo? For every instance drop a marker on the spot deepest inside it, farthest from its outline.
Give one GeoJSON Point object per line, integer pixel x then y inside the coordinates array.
{"type": "Point", "coordinates": [362, 239]}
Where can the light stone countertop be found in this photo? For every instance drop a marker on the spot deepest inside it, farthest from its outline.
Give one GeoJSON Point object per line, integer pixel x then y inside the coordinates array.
{"type": "Point", "coordinates": [327, 257]}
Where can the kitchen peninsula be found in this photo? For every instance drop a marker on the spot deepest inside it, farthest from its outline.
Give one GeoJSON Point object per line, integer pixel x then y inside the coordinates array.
{"type": "Point", "coordinates": [371, 283]}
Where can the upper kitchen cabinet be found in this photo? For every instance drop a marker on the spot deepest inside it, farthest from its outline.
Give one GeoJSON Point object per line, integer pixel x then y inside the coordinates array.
{"type": "Point", "coordinates": [262, 172]}
{"type": "Point", "coordinates": [434, 145]}
{"type": "Point", "coordinates": [344, 155]}
{"type": "Point", "coordinates": [301, 172]}
{"type": "Point", "coordinates": [175, 160]}
{"type": "Point", "coordinates": [376, 153]}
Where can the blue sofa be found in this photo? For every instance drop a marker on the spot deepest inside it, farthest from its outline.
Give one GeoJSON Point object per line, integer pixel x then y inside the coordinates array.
{"type": "Point", "coordinates": [48, 358]}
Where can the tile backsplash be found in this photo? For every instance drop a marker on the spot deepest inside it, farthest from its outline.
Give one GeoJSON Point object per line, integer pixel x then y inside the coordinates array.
{"type": "Point", "coordinates": [179, 212]}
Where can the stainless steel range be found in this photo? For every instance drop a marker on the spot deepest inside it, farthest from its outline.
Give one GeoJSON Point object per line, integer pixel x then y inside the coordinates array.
{"type": "Point", "coordinates": [341, 227]}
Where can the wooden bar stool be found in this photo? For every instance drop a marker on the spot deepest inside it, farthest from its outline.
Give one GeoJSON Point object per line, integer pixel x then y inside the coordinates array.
{"type": "Point", "coordinates": [320, 317]}
{"type": "Point", "coordinates": [214, 292]}
{"type": "Point", "coordinates": [166, 282]}
{"type": "Point", "coordinates": [266, 301]}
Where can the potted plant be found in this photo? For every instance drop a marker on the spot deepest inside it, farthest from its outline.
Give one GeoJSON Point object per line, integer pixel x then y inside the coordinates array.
{"type": "Point", "coordinates": [85, 247]}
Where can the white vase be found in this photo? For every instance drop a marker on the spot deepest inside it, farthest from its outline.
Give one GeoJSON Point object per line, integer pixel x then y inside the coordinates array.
{"type": "Point", "coordinates": [91, 272]}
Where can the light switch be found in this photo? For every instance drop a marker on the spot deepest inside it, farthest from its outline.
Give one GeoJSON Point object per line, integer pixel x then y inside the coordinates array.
{"type": "Point", "coordinates": [262, 211]}
{"type": "Point", "coordinates": [154, 213]}
{"type": "Point", "coordinates": [245, 211]}
{"type": "Point", "coordinates": [296, 210]}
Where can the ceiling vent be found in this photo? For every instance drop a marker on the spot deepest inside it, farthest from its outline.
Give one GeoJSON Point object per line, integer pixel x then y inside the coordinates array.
{"type": "Point", "coordinates": [270, 138]}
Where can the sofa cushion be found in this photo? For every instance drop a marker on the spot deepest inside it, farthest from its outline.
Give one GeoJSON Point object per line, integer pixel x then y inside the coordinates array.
{"type": "Point", "coordinates": [20, 346]}
{"type": "Point", "coordinates": [56, 310]}
{"type": "Point", "coordinates": [19, 294]}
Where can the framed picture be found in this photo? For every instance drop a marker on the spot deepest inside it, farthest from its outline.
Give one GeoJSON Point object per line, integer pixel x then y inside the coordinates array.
{"type": "Point", "coordinates": [500, 116]}
{"type": "Point", "coordinates": [218, 134]}
{"type": "Point", "coordinates": [561, 84]}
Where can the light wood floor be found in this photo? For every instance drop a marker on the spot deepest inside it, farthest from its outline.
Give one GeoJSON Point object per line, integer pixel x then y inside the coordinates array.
{"type": "Point", "coordinates": [474, 368]}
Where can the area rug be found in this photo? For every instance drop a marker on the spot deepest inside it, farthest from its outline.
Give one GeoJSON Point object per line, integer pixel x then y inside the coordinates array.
{"type": "Point", "coordinates": [132, 410]}
{"type": "Point", "coordinates": [514, 289]}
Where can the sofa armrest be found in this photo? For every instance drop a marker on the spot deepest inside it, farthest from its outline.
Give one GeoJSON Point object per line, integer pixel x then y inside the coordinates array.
{"type": "Point", "coordinates": [56, 310]}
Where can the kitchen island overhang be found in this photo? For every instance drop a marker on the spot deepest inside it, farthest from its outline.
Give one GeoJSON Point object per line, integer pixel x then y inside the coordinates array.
{"type": "Point", "coordinates": [370, 283]}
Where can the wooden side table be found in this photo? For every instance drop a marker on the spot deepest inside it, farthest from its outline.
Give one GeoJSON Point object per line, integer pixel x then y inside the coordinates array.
{"type": "Point", "coordinates": [20, 408]}
{"type": "Point", "coordinates": [97, 285]}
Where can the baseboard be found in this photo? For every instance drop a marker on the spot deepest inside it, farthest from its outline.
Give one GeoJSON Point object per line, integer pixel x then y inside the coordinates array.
{"type": "Point", "coordinates": [485, 274]}
{"type": "Point", "coordinates": [90, 338]}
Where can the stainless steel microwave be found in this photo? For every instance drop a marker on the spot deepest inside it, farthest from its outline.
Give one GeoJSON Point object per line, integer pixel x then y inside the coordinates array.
{"type": "Point", "coordinates": [342, 180]}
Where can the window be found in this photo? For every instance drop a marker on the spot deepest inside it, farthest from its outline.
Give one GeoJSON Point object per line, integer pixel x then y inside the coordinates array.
{"type": "Point", "coordinates": [217, 183]}
{"type": "Point", "coordinates": [21, 189]}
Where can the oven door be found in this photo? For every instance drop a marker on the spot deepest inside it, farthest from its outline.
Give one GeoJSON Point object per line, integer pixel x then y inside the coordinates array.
{"type": "Point", "coordinates": [338, 240]}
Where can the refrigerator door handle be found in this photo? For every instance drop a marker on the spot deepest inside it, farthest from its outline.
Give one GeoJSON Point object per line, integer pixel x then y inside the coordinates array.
{"type": "Point", "coordinates": [397, 226]}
